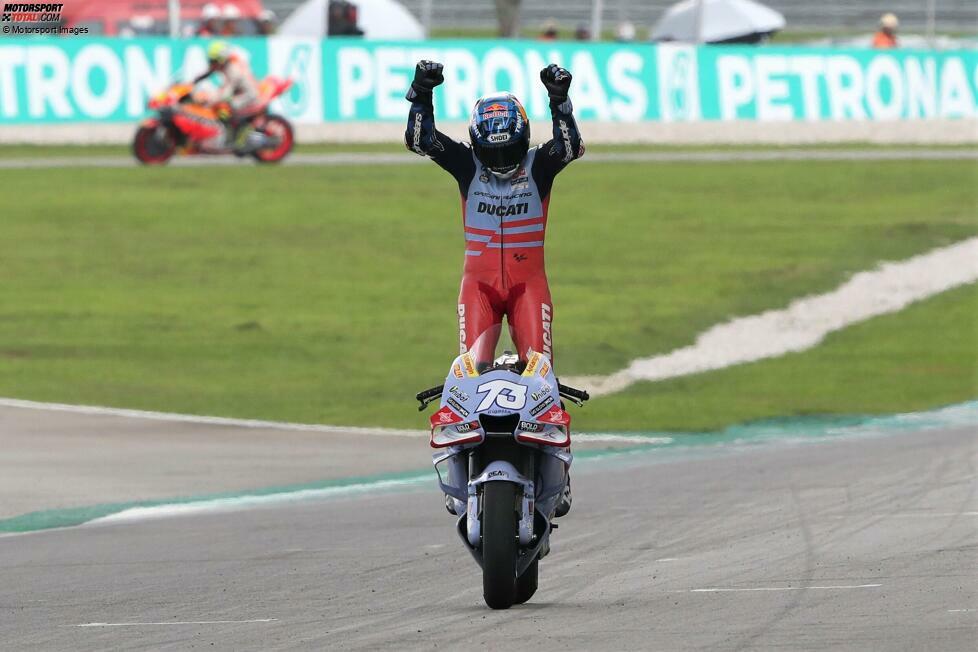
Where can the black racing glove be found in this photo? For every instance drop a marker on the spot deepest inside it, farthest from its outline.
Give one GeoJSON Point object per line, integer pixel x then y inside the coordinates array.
{"type": "Point", "coordinates": [427, 75]}
{"type": "Point", "coordinates": [557, 81]}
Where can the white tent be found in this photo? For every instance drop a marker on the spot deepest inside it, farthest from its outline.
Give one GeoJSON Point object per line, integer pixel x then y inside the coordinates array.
{"type": "Point", "coordinates": [378, 19]}
{"type": "Point", "coordinates": [716, 21]}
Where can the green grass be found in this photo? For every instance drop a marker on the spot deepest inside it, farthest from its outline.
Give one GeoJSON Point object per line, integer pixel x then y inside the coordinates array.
{"type": "Point", "coordinates": [327, 294]}
{"type": "Point", "coordinates": [40, 151]}
{"type": "Point", "coordinates": [44, 151]}
{"type": "Point", "coordinates": [924, 357]}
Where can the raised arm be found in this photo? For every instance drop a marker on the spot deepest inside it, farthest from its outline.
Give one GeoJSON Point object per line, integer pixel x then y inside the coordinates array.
{"type": "Point", "coordinates": [421, 136]}
{"type": "Point", "coordinates": [566, 144]}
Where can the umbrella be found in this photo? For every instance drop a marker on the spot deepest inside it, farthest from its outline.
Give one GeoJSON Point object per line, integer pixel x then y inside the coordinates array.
{"type": "Point", "coordinates": [721, 21]}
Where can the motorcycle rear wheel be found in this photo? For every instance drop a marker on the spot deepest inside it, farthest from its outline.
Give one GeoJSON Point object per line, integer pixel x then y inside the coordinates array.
{"type": "Point", "coordinates": [499, 544]}
{"type": "Point", "coordinates": [151, 150]}
{"type": "Point", "coordinates": [279, 128]}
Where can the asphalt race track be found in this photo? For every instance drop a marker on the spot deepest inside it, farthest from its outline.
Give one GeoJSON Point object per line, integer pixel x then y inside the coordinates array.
{"type": "Point", "coordinates": [867, 543]}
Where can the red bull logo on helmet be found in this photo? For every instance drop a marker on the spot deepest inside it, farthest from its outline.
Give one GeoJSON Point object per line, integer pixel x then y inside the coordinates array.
{"type": "Point", "coordinates": [494, 110]}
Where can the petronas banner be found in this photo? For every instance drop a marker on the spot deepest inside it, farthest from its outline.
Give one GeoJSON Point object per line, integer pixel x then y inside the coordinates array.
{"type": "Point", "coordinates": [64, 80]}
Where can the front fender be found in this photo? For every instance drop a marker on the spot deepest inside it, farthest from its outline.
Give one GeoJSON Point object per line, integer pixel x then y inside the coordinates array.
{"type": "Point", "coordinates": [500, 471]}
{"type": "Point", "coordinates": [150, 123]}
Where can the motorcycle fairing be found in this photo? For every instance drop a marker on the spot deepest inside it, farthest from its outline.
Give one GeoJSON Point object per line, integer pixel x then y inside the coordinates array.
{"type": "Point", "coordinates": [532, 394]}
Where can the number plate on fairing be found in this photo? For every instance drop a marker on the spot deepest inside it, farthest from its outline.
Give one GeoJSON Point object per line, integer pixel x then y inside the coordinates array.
{"type": "Point", "coordinates": [532, 395]}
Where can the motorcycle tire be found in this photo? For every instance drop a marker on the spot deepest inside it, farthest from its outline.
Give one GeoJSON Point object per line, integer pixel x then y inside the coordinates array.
{"type": "Point", "coordinates": [150, 150]}
{"type": "Point", "coordinates": [277, 127]}
{"type": "Point", "coordinates": [526, 584]}
{"type": "Point", "coordinates": [499, 544]}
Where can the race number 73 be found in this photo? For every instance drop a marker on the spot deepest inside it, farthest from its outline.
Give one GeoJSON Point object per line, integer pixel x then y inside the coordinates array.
{"type": "Point", "coordinates": [503, 393]}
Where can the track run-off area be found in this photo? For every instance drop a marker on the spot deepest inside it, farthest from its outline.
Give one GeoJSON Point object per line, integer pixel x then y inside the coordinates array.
{"type": "Point", "coordinates": [858, 534]}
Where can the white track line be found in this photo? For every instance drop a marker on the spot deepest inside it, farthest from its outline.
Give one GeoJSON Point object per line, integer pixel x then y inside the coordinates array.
{"type": "Point", "coordinates": [246, 500]}
{"type": "Point", "coordinates": [205, 420]}
{"type": "Point", "coordinates": [96, 410]}
{"type": "Point", "coordinates": [806, 321]}
{"type": "Point", "coordinates": [785, 588]}
{"type": "Point", "coordinates": [390, 158]}
{"type": "Point", "coordinates": [181, 622]}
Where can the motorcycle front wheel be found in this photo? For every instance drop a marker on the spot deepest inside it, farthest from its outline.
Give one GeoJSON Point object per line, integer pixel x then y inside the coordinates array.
{"type": "Point", "coordinates": [499, 544]}
{"type": "Point", "coordinates": [150, 149]}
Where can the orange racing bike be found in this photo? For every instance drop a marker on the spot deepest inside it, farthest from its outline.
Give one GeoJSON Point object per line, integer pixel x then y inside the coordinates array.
{"type": "Point", "coordinates": [185, 125]}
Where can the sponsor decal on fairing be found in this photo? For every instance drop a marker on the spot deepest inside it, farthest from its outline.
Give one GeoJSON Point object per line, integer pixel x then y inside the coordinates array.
{"type": "Point", "coordinates": [458, 407]}
{"type": "Point", "coordinates": [543, 405]}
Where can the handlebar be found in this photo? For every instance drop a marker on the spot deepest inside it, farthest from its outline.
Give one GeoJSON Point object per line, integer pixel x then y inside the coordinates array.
{"type": "Point", "coordinates": [576, 395]}
{"type": "Point", "coordinates": [428, 395]}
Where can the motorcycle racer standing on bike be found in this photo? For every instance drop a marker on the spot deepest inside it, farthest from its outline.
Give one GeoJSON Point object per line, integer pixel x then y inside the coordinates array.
{"type": "Point", "coordinates": [239, 88]}
{"type": "Point", "coordinates": [505, 187]}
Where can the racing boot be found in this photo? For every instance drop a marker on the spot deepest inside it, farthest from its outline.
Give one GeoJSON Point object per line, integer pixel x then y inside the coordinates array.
{"type": "Point", "coordinates": [246, 140]}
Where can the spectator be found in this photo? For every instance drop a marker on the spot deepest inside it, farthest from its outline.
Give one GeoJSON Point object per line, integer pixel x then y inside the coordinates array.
{"type": "Point", "coordinates": [549, 32]}
{"type": "Point", "coordinates": [231, 16]}
{"type": "Point", "coordinates": [265, 24]}
{"type": "Point", "coordinates": [625, 32]}
{"type": "Point", "coordinates": [342, 18]}
{"type": "Point", "coordinates": [886, 36]}
{"type": "Point", "coordinates": [210, 24]}
{"type": "Point", "coordinates": [582, 33]}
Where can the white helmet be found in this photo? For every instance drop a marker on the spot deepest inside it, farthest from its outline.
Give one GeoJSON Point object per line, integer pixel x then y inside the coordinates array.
{"type": "Point", "coordinates": [889, 21]}
{"type": "Point", "coordinates": [210, 11]}
{"type": "Point", "coordinates": [231, 12]}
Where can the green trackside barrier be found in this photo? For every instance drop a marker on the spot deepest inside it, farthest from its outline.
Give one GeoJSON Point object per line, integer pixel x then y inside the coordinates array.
{"type": "Point", "coordinates": [71, 80]}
